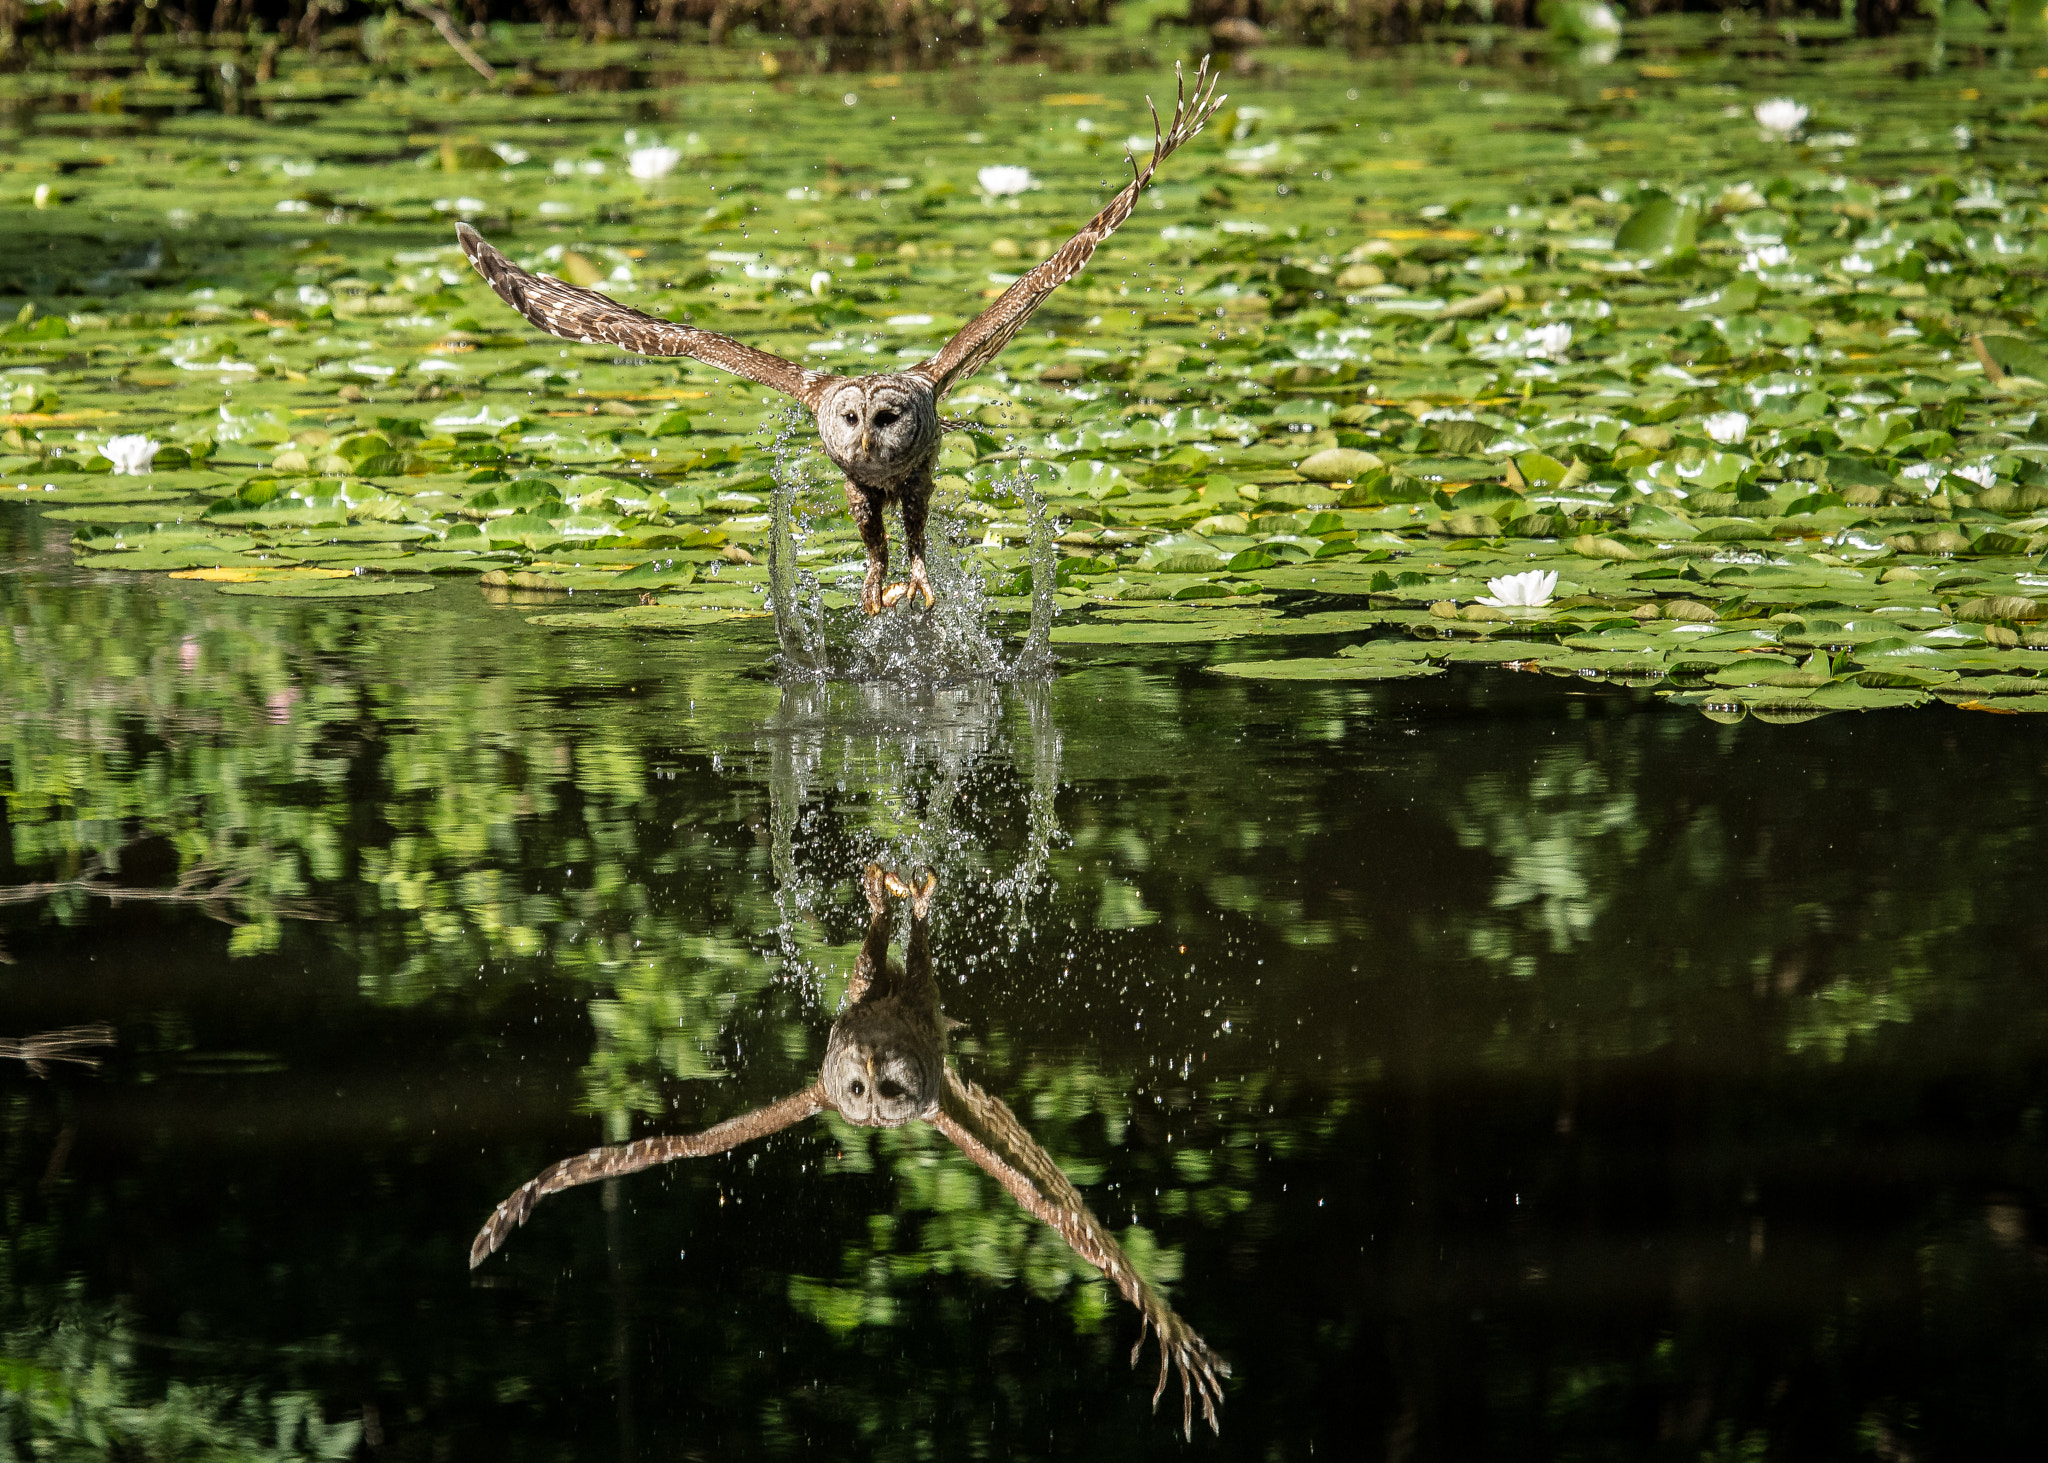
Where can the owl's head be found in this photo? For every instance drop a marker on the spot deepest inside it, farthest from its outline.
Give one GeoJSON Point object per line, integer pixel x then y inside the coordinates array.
{"type": "Point", "coordinates": [884, 1064]}
{"type": "Point", "coordinates": [878, 427]}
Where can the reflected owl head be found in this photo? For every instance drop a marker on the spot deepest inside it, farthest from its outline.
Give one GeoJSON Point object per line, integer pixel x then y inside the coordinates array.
{"type": "Point", "coordinates": [879, 427]}
{"type": "Point", "coordinates": [883, 1066]}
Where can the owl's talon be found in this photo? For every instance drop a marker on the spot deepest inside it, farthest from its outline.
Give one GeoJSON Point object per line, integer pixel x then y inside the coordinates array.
{"type": "Point", "coordinates": [895, 594]}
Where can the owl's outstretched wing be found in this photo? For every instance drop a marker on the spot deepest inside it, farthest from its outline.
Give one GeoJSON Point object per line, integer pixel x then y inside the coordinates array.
{"type": "Point", "coordinates": [984, 1128]}
{"type": "Point", "coordinates": [585, 315]}
{"type": "Point", "coordinates": [623, 1158]}
{"type": "Point", "coordinates": [986, 334]}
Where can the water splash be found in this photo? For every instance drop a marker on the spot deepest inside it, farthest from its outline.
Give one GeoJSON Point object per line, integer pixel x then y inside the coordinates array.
{"type": "Point", "coordinates": [824, 634]}
{"type": "Point", "coordinates": [906, 775]}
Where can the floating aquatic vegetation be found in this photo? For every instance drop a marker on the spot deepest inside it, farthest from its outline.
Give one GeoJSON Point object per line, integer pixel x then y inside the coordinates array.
{"type": "Point", "coordinates": [1531, 589]}
{"type": "Point", "coordinates": [1780, 118]}
{"type": "Point", "coordinates": [131, 453]}
{"type": "Point", "coordinates": [1003, 181]}
{"type": "Point", "coordinates": [1732, 387]}
{"type": "Point", "coordinates": [649, 163]}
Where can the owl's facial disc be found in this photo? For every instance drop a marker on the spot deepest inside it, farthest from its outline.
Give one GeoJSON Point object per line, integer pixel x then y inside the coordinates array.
{"type": "Point", "coordinates": [879, 1084]}
{"type": "Point", "coordinates": [876, 425]}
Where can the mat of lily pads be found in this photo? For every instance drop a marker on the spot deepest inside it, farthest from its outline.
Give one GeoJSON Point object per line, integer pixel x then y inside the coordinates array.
{"type": "Point", "coordinates": [1727, 367]}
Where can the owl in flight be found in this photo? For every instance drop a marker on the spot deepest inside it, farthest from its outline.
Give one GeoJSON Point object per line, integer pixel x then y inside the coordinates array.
{"type": "Point", "coordinates": [882, 431]}
{"type": "Point", "coordinates": [885, 1066]}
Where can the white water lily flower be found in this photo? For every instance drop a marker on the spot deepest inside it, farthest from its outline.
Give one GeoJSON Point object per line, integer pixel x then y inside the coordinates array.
{"type": "Point", "coordinates": [1548, 342]}
{"type": "Point", "coordinates": [649, 163]}
{"type": "Point", "coordinates": [1780, 117]}
{"type": "Point", "coordinates": [821, 281]}
{"type": "Point", "coordinates": [1727, 427]}
{"type": "Point", "coordinates": [131, 454]}
{"type": "Point", "coordinates": [1005, 181]}
{"type": "Point", "coordinates": [1528, 590]}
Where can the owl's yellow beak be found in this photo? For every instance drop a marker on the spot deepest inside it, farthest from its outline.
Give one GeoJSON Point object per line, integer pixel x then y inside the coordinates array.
{"type": "Point", "coordinates": [863, 444]}
{"type": "Point", "coordinates": [871, 1073]}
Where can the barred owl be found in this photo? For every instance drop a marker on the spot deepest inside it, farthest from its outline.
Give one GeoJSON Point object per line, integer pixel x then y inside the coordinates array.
{"type": "Point", "coordinates": [885, 1066]}
{"type": "Point", "coordinates": [881, 431]}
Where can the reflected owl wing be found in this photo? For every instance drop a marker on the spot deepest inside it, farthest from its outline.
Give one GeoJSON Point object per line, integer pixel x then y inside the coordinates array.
{"type": "Point", "coordinates": [67, 1045]}
{"type": "Point", "coordinates": [984, 1128]}
{"type": "Point", "coordinates": [984, 337]}
{"type": "Point", "coordinates": [585, 315]}
{"type": "Point", "coordinates": [624, 1158]}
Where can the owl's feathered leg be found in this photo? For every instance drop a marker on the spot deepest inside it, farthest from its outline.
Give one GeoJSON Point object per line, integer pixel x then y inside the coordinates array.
{"type": "Point", "coordinates": [916, 495]}
{"type": "Point", "coordinates": [865, 504]}
{"type": "Point", "coordinates": [878, 884]}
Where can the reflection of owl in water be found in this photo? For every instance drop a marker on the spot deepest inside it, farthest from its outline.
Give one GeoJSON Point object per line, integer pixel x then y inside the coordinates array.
{"type": "Point", "coordinates": [882, 430]}
{"type": "Point", "coordinates": [885, 1066]}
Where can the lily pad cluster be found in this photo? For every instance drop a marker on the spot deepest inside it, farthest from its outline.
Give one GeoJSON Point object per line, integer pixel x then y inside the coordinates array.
{"type": "Point", "coordinates": [1765, 401]}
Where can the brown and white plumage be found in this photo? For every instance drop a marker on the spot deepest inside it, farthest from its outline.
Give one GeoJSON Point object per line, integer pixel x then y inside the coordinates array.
{"type": "Point", "coordinates": [902, 472]}
{"type": "Point", "coordinates": [595, 319]}
{"type": "Point", "coordinates": [885, 1066]}
{"type": "Point", "coordinates": [67, 1045]}
{"type": "Point", "coordinates": [982, 339]}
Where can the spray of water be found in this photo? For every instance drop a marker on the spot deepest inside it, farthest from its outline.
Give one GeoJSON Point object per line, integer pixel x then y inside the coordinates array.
{"type": "Point", "coordinates": [907, 775]}
{"type": "Point", "coordinates": [951, 642]}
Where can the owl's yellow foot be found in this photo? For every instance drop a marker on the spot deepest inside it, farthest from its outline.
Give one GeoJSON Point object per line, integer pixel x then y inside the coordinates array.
{"type": "Point", "coordinates": [894, 595]}
{"type": "Point", "coordinates": [878, 884]}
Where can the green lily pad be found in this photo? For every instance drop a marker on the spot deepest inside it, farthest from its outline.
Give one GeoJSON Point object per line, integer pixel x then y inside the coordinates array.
{"type": "Point", "coordinates": [1339, 669]}
{"type": "Point", "coordinates": [352, 587]}
{"type": "Point", "coordinates": [1338, 465]}
{"type": "Point", "coordinates": [1141, 632]}
{"type": "Point", "coordinates": [644, 617]}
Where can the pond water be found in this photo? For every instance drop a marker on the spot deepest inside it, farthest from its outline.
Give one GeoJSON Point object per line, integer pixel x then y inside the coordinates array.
{"type": "Point", "coordinates": [1479, 1054]}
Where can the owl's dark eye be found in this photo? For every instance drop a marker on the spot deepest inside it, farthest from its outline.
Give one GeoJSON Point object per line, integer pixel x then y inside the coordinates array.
{"type": "Point", "coordinates": [853, 419]}
{"type": "Point", "coordinates": [859, 1087]}
{"type": "Point", "coordinates": [882, 419]}
{"type": "Point", "coordinates": [890, 1090]}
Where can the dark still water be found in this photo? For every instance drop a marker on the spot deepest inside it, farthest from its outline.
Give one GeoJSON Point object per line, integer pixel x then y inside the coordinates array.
{"type": "Point", "coordinates": [1482, 1067]}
